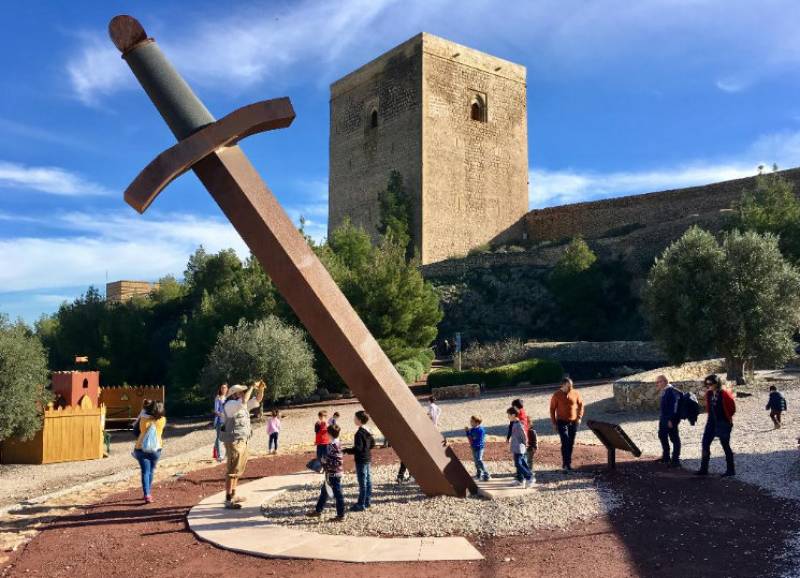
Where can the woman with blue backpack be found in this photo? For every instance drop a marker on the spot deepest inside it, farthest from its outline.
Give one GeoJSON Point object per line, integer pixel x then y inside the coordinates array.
{"type": "Point", "coordinates": [148, 447]}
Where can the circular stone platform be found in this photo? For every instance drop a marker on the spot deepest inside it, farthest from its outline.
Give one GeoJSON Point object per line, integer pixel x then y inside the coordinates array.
{"type": "Point", "coordinates": [249, 532]}
{"type": "Point", "coordinates": [556, 501]}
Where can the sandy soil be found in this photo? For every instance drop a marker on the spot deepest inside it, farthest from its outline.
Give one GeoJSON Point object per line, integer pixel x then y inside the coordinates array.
{"type": "Point", "coordinates": [672, 524]}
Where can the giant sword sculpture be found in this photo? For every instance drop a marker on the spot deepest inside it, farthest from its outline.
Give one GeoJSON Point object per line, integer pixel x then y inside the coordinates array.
{"type": "Point", "coordinates": [209, 148]}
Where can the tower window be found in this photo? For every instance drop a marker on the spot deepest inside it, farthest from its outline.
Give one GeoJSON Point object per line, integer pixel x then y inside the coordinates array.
{"type": "Point", "coordinates": [373, 119]}
{"type": "Point", "coordinates": [85, 383]}
{"type": "Point", "coordinates": [477, 110]}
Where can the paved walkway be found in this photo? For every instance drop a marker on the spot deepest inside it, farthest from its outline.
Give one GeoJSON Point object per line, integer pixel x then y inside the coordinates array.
{"type": "Point", "coordinates": [248, 531]}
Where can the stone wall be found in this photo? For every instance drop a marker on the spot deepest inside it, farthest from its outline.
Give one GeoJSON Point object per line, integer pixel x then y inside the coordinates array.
{"type": "Point", "coordinates": [119, 291]}
{"type": "Point", "coordinates": [598, 351]}
{"type": "Point", "coordinates": [600, 218]}
{"type": "Point", "coordinates": [468, 178]}
{"type": "Point", "coordinates": [456, 391]}
{"type": "Point", "coordinates": [475, 172]}
{"type": "Point", "coordinates": [639, 392]}
{"type": "Point", "coordinates": [361, 155]}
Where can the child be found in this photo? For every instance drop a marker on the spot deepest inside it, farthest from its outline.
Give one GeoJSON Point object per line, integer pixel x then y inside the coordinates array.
{"type": "Point", "coordinates": [332, 461]}
{"type": "Point", "coordinates": [776, 405]}
{"type": "Point", "coordinates": [321, 434]}
{"type": "Point", "coordinates": [434, 411]}
{"type": "Point", "coordinates": [533, 445]}
{"type": "Point", "coordinates": [363, 442]}
{"type": "Point", "coordinates": [334, 419]}
{"type": "Point", "coordinates": [273, 429]}
{"type": "Point", "coordinates": [476, 435]}
{"type": "Point", "coordinates": [518, 445]}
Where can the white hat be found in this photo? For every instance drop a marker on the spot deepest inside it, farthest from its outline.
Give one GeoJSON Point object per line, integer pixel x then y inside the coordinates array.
{"type": "Point", "coordinates": [234, 389]}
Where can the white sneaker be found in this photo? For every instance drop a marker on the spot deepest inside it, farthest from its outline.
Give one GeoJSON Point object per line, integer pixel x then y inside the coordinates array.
{"type": "Point", "coordinates": [529, 483]}
{"type": "Point", "coordinates": [516, 483]}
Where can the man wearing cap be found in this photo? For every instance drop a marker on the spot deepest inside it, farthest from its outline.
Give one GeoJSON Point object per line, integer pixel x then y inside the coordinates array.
{"type": "Point", "coordinates": [236, 435]}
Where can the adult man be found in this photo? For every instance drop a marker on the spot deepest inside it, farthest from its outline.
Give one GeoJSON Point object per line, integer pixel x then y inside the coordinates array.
{"type": "Point", "coordinates": [720, 407]}
{"type": "Point", "coordinates": [236, 435]}
{"type": "Point", "coordinates": [566, 413]}
{"type": "Point", "coordinates": [668, 422]}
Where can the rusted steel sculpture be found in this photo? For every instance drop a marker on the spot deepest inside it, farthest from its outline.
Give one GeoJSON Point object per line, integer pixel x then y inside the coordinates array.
{"type": "Point", "coordinates": [208, 147]}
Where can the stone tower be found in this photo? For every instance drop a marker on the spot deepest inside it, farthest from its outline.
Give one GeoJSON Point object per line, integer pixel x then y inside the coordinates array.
{"type": "Point", "coordinates": [453, 121]}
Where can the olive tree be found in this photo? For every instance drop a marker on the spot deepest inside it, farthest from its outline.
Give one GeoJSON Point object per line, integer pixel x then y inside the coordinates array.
{"type": "Point", "coordinates": [23, 375]}
{"type": "Point", "coordinates": [266, 349]}
{"type": "Point", "coordinates": [739, 299]}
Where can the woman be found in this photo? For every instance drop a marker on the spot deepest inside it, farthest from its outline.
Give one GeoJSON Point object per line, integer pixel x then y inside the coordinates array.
{"type": "Point", "coordinates": [219, 419]}
{"type": "Point", "coordinates": [147, 456]}
{"type": "Point", "coordinates": [566, 413]}
{"type": "Point", "coordinates": [720, 407]}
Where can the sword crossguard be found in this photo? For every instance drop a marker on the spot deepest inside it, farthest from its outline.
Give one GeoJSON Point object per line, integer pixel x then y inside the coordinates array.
{"type": "Point", "coordinates": [173, 162]}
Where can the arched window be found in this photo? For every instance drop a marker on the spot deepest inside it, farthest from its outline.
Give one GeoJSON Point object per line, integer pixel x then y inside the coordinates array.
{"type": "Point", "coordinates": [85, 383]}
{"type": "Point", "coordinates": [373, 119]}
{"type": "Point", "coordinates": [477, 110]}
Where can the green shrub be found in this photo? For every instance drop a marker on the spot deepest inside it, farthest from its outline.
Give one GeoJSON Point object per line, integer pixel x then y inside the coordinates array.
{"type": "Point", "coordinates": [267, 349]}
{"type": "Point", "coordinates": [534, 371]}
{"type": "Point", "coordinates": [23, 373]}
{"type": "Point", "coordinates": [425, 358]}
{"type": "Point", "coordinates": [410, 370]}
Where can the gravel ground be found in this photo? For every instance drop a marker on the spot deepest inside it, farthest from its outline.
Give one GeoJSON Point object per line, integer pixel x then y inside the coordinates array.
{"type": "Point", "coordinates": [670, 524]}
{"type": "Point", "coordinates": [765, 457]}
{"type": "Point", "coordinates": [403, 510]}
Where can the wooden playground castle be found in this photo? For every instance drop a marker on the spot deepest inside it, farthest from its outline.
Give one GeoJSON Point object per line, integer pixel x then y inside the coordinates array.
{"type": "Point", "coordinates": [72, 427]}
{"type": "Point", "coordinates": [74, 423]}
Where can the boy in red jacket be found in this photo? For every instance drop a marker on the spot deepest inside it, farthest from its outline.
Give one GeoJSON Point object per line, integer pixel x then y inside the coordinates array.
{"type": "Point", "coordinates": [720, 407]}
{"type": "Point", "coordinates": [321, 439]}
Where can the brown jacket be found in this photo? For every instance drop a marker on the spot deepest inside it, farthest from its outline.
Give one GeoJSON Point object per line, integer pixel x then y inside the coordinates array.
{"type": "Point", "coordinates": [566, 406]}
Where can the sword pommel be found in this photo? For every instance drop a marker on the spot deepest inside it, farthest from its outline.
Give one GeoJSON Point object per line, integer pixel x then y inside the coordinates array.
{"type": "Point", "coordinates": [126, 32]}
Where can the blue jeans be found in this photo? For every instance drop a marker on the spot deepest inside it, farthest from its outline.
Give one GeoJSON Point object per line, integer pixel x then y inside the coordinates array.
{"type": "Point", "coordinates": [336, 485]}
{"type": "Point", "coordinates": [322, 451]}
{"type": "Point", "coordinates": [480, 467]}
{"type": "Point", "coordinates": [273, 441]}
{"type": "Point", "coordinates": [717, 429]}
{"type": "Point", "coordinates": [567, 431]}
{"type": "Point", "coordinates": [147, 463]}
{"type": "Point", "coordinates": [218, 445]}
{"type": "Point", "coordinates": [523, 471]}
{"type": "Point", "coordinates": [364, 477]}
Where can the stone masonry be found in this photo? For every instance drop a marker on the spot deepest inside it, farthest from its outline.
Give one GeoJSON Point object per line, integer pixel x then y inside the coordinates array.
{"type": "Point", "coordinates": [453, 121]}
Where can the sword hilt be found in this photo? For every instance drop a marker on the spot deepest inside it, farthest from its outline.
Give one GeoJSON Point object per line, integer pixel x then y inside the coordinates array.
{"type": "Point", "coordinates": [172, 96]}
{"type": "Point", "coordinates": [196, 130]}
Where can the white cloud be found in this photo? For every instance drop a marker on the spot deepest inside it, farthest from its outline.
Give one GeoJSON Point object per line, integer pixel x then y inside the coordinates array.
{"type": "Point", "coordinates": [313, 39]}
{"type": "Point", "coordinates": [731, 84]}
{"type": "Point", "coordinates": [97, 69]}
{"type": "Point", "coordinates": [232, 52]}
{"type": "Point", "coordinates": [549, 188]}
{"type": "Point", "coordinates": [89, 246]}
{"type": "Point", "coordinates": [51, 180]}
{"type": "Point", "coordinates": [557, 187]}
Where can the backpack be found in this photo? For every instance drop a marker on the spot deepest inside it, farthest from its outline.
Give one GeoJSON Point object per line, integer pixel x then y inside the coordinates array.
{"type": "Point", "coordinates": [688, 407]}
{"type": "Point", "coordinates": [150, 440]}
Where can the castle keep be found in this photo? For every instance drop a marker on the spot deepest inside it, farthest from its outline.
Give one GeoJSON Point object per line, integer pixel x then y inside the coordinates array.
{"type": "Point", "coordinates": [453, 122]}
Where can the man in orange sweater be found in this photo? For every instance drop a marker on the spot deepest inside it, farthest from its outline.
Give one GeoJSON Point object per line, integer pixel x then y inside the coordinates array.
{"type": "Point", "coordinates": [566, 413]}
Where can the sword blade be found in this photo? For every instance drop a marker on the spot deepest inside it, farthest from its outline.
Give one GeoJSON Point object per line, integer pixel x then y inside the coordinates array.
{"type": "Point", "coordinates": [330, 319]}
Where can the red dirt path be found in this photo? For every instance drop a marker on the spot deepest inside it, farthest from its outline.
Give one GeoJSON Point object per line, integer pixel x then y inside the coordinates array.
{"type": "Point", "coordinates": [671, 524]}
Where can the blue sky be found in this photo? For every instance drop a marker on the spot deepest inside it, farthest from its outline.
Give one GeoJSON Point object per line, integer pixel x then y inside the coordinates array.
{"type": "Point", "coordinates": [623, 97]}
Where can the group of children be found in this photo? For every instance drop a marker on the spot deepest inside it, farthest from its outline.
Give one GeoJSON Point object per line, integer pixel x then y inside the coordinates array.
{"type": "Point", "coordinates": [522, 439]}
{"type": "Point", "coordinates": [331, 455]}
